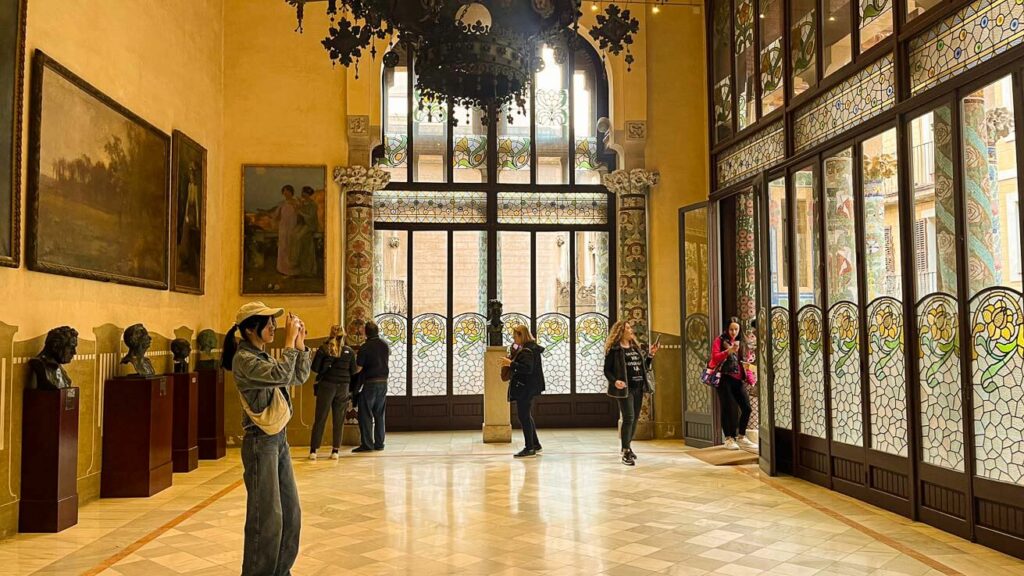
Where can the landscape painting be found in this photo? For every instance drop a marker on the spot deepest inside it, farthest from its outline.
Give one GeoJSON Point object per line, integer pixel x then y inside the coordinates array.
{"type": "Point", "coordinates": [188, 214]}
{"type": "Point", "coordinates": [283, 229]}
{"type": "Point", "coordinates": [98, 188]}
{"type": "Point", "coordinates": [12, 58]}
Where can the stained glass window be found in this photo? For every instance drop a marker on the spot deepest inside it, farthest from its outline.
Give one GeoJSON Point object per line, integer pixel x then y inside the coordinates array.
{"type": "Point", "coordinates": [429, 355]}
{"type": "Point", "coordinates": [552, 208]}
{"type": "Point", "coordinates": [430, 124]}
{"type": "Point", "coordinates": [758, 152]}
{"type": "Point", "coordinates": [809, 318]}
{"type": "Point", "coordinates": [394, 331]}
{"type": "Point", "coordinates": [812, 377]}
{"type": "Point", "coordinates": [778, 294]}
{"type": "Point", "coordinates": [746, 282]}
{"type": "Point", "coordinates": [430, 206]}
{"type": "Point", "coordinates": [745, 52]}
{"type": "Point", "coordinates": [803, 36]}
{"type": "Point", "coordinates": [470, 343]}
{"type": "Point", "coordinates": [697, 327]}
{"type": "Point", "coordinates": [837, 43]}
{"type": "Point", "coordinates": [979, 31]}
{"type": "Point", "coordinates": [553, 335]}
{"type": "Point", "coordinates": [469, 306]}
{"type": "Point", "coordinates": [875, 22]}
{"type": "Point", "coordinates": [429, 313]}
{"type": "Point", "coordinates": [396, 121]}
{"type": "Point", "coordinates": [721, 68]}
{"type": "Point", "coordinates": [469, 146]}
{"type": "Point", "coordinates": [771, 55]}
{"type": "Point", "coordinates": [588, 166]}
{"type": "Point", "coordinates": [514, 144]}
{"type": "Point", "coordinates": [551, 91]}
{"type": "Point", "coordinates": [917, 7]}
{"type": "Point", "coordinates": [861, 97]}
{"type": "Point", "coordinates": [510, 322]}
{"type": "Point", "coordinates": [591, 332]}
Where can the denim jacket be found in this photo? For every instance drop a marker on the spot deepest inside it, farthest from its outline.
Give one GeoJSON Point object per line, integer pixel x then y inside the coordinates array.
{"type": "Point", "coordinates": [257, 375]}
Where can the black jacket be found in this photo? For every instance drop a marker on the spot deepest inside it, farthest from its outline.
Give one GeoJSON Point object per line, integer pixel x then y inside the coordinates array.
{"type": "Point", "coordinates": [615, 369]}
{"type": "Point", "coordinates": [334, 370]}
{"type": "Point", "coordinates": [373, 356]}
{"type": "Point", "coordinates": [527, 373]}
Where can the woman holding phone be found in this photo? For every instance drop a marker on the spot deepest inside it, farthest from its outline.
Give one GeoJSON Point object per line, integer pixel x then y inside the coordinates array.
{"type": "Point", "coordinates": [526, 371]}
{"type": "Point", "coordinates": [729, 354]}
{"type": "Point", "coordinates": [626, 365]}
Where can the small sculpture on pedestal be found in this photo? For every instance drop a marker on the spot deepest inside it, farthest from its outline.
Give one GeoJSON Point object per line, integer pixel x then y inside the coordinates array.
{"type": "Point", "coordinates": [45, 370]}
{"type": "Point", "coordinates": [181, 349]}
{"type": "Point", "coordinates": [206, 340]}
{"type": "Point", "coordinates": [495, 325]}
{"type": "Point", "coordinates": [137, 339]}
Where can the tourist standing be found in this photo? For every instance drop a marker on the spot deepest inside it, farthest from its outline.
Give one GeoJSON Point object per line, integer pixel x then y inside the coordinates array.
{"type": "Point", "coordinates": [335, 366]}
{"type": "Point", "coordinates": [728, 354]}
{"type": "Point", "coordinates": [526, 366]}
{"type": "Point", "coordinates": [272, 514]}
{"type": "Point", "coordinates": [372, 361]}
{"type": "Point", "coordinates": [626, 365]}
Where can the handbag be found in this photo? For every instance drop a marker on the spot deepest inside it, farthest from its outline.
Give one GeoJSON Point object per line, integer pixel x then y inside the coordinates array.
{"type": "Point", "coordinates": [274, 417]}
{"type": "Point", "coordinates": [649, 382]}
{"type": "Point", "coordinates": [711, 376]}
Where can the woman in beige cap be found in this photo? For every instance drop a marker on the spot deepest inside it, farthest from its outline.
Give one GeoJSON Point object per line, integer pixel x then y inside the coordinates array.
{"type": "Point", "coordinates": [272, 517]}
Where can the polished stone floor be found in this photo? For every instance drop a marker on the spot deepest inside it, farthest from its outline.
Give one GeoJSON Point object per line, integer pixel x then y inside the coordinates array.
{"type": "Point", "coordinates": [444, 503]}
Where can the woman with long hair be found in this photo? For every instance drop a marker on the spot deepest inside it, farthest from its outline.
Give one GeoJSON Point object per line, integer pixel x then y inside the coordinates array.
{"type": "Point", "coordinates": [526, 383]}
{"type": "Point", "coordinates": [729, 354]}
{"type": "Point", "coordinates": [335, 366]}
{"type": "Point", "coordinates": [272, 513]}
{"type": "Point", "coordinates": [625, 366]}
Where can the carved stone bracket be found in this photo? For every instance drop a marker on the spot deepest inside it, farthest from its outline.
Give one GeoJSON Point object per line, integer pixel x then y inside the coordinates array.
{"type": "Point", "coordinates": [361, 179]}
{"type": "Point", "coordinates": [635, 181]}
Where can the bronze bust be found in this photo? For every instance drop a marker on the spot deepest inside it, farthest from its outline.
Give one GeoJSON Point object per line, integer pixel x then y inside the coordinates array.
{"type": "Point", "coordinates": [181, 349]}
{"type": "Point", "coordinates": [137, 339]}
{"type": "Point", "coordinates": [45, 370]}
{"type": "Point", "coordinates": [495, 325]}
{"type": "Point", "coordinates": [206, 341]}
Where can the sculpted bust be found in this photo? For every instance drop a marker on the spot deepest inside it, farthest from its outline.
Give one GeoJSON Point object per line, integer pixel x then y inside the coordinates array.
{"type": "Point", "coordinates": [495, 325]}
{"type": "Point", "coordinates": [45, 370]}
{"type": "Point", "coordinates": [206, 340]}
{"type": "Point", "coordinates": [137, 339]}
{"type": "Point", "coordinates": [181, 349]}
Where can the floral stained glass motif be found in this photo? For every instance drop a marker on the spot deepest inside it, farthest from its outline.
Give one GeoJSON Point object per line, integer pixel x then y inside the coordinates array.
{"type": "Point", "coordinates": [844, 360]}
{"type": "Point", "coordinates": [812, 373]}
{"type": "Point", "coordinates": [470, 334]}
{"type": "Point", "coordinates": [470, 151]}
{"type": "Point", "coordinates": [887, 376]}
{"type": "Point", "coordinates": [430, 206]}
{"type": "Point", "coordinates": [860, 98]}
{"type": "Point", "coordinates": [513, 153]}
{"type": "Point", "coordinates": [429, 355]}
{"type": "Point", "coordinates": [771, 68]}
{"type": "Point", "coordinates": [783, 382]}
{"type": "Point", "coordinates": [942, 425]}
{"type": "Point", "coordinates": [511, 320]}
{"type": "Point", "coordinates": [586, 154]}
{"type": "Point", "coordinates": [428, 110]}
{"type": "Point", "coordinates": [698, 350]}
{"type": "Point", "coordinates": [553, 335]}
{"type": "Point", "coordinates": [723, 108]}
{"type": "Point", "coordinates": [758, 152]}
{"type": "Point", "coordinates": [997, 335]}
{"type": "Point", "coordinates": [591, 332]}
{"type": "Point", "coordinates": [979, 31]}
{"type": "Point", "coordinates": [396, 148]}
{"type": "Point", "coordinates": [552, 108]}
{"type": "Point", "coordinates": [875, 22]}
{"type": "Point", "coordinates": [393, 331]}
{"type": "Point", "coordinates": [552, 208]}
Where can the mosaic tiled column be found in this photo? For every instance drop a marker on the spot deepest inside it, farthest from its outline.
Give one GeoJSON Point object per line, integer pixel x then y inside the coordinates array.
{"type": "Point", "coordinates": [945, 207]}
{"type": "Point", "coordinates": [357, 187]}
{"type": "Point", "coordinates": [631, 188]}
{"type": "Point", "coordinates": [746, 278]}
{"type": "Point", "coordinates": [981, 262]}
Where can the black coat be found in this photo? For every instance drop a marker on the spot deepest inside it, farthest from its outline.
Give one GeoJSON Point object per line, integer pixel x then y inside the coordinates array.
{"type": "Point", "coordinates": [527, 373]}
{"type": "Point", "coordinates": [615, 369]}
{"type": "Point", "coordinates": [335, 370]}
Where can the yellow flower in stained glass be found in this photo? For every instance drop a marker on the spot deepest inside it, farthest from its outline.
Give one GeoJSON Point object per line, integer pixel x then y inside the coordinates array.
{"type": "Point", "coordinates": [940, 324]}
{"type": "Point", "coordinates": [998, 321]}
{"type": "Point", "coordinates": [431, 330]}
{"type": "Point", "coordinates": [846, 326]}
{"type": "Point", "coordinates": [887, 324]}
{"type": "Point", "coordinates": [811, 330]}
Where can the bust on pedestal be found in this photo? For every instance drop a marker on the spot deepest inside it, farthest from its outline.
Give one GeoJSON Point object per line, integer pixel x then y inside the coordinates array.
{"type": "Point", "coordinates": [49, 470]}
{"type": "Point", "coordinates": [138, 340]}
{"type": "Point", "coordinates": [184, 443]}
{"type": "Point", "coordinates": [497, 418]}
{"type": "Point", "coordinates": [212, 444]}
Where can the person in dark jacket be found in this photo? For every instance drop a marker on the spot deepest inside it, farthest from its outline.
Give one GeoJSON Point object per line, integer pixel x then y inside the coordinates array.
{"type": "Point", "coordinates": [372, 373]}
{"type": "Point", "coordinates": [527, 383]}
{"type": "Point", "coordinates": [625, 367]}
{"type": "Point", "coordinates": [729, 355]}
{"type": "Point", "coordinates": [335, 365]}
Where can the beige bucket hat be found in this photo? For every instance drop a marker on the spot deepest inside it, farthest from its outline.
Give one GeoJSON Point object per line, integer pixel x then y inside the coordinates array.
{"type": "Point", "coordinates": [256, 309]}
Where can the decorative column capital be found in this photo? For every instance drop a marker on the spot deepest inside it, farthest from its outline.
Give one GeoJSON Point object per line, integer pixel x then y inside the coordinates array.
{"type": "Point", "coordinates": [635, 181]}
{"type": "Point", "coordinates": [361, 179]}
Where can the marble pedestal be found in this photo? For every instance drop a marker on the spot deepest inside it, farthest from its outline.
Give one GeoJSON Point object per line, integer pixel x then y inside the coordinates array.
{"type": "Point", "coordinates": [497, 418]}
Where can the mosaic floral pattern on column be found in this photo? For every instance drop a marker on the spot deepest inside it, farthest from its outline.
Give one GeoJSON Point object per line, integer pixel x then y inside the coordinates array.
{"type": "Point", "coordinates": [469, 331]}
{"type": "Point", "coordinates": [510, 321]}
{"type": "Point", "coordinates": [430, 206]}
{"type": "Point", "coordinates": [945, 203]}
{"type": "Point", "coordinates": [979, 31]}
{"type": "Point", "coordinates": [812, 373]}
{"type": "Point", "coordinates": [591, 332]}
{"type": "Point", "coordinates": [631, 188]}
{"type": "Point", "coordinates": [997, 317]}
{"type": "Point", "coordinates": [393, 331]}
{"type": "Point", "coordinates": [887, 376]}
{"type": "Point", "coordinates": [553, 335]}
{"type": "Point", "coordinates": [844, 370]}
{"type": "Point", "coordinates": [746, 275]}
{"type": "Point", "coordinates": [698, 352]}
{"type": "Point", "coordinates": [430, 355]}
{"type": "Point", "coordinates": [782, 383]}
{"type": "Point", "coordinates": [860, 98]}
{"type": "Point", "coordinates": [942, 430]}
{"type": "Point", "coordinates": [552, 208]}
{"type": "Point", "coordinates": [978, 198]}
{"type": "Point", "coordinates": [758, 152]}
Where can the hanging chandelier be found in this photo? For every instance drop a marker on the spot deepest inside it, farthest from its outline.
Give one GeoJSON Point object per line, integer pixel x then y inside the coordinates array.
{"type": "Point", "coordinates": [474, 53]}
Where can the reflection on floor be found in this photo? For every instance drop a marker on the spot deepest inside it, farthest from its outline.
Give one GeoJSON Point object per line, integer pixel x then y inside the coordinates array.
{"type": "Point", "coordinates": [444, 503]}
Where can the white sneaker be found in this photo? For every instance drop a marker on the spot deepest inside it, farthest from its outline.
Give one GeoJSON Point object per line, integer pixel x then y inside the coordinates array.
{"type": "Point", "coordinates": [334, 456]}
{"type": "Point", "coordinates": [731, 444]}
{"type": "Point", "coordinates": [745, 442]}
{"type": "Point", "coordinates": [312, 456]}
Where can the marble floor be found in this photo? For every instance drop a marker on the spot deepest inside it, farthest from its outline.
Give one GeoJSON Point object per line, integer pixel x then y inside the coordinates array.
{"type": "Point", "coordinates": [444, 503]}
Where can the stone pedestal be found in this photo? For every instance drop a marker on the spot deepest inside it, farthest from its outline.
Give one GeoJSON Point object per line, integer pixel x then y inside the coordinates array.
{"type": "Point", "coordinates": [185, 439]}
{"type": "Point", "coordinates": [497, 418]}
{"type": "Point", "coordinates": [137, 427]}
{"type": "Point", "coordinates": [49, 461]}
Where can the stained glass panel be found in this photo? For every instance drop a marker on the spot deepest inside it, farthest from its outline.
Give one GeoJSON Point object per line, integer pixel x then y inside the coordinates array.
{"type": "Point", "coordinates": [552, 208]}
{"type": "Point", "coordinates": [770, 20]}
{"type": "Point", "coordinates": [511, 320]}
{"type": "Point", "coordinates": [470, 335]}
{"type": "Point", "coordinates": [698, 346]}
{"type": "Point", "coordinates": [745, 52]}
{"type": "Point", "coordinates": [979, 31]}
{"type": "Point", "coordinates": [393, 331]}
{"type": "Point", "coordinates": [917, 7]}
{"type": "Point", "coordinates": [837, 40]}
{"type": "Point", "coordinates": [429, 355]}
{"type": "Point", "coordinates": [515, 282]}
{"type": "Point", "coordinates": [783, 381]}
{"type": "Point", "coordinates": [396, 121]}
{"type": "Point", "coordinates": [430, 127]}
{"type": "Point", "coordinates": [844, 372]}
{"type": "Point", "coordinates": [697, 327]}
{"type": "Point", "coordinates": [942, 425]}
{"type": "Point", "coordinates": [778, 296]}
{"type": "Point", "coordinates": [859, 98]}
{"type": "Point", "coordinates": [721, 67]}
{"type": "Point", "coordinates": [887, 376]}
{"type": "Point", "coordinates": [803, 35]}
{"type": "Point", "coordinates": [812, 377]}
{"type": "Point", "coordinates": [875, 22]}
{"type": "Point", "coordinates": [553, 335]}
{"type": "Point", "coordinates": [430, 206]}
{"type": "Point", "coordinates": [758, 152]}
{"type": "Point", "coordinates": [591, 332]}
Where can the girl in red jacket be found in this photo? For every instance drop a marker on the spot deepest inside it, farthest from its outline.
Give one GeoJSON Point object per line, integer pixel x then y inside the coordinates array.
{"type": "Point", "coordinates": [728, 353]}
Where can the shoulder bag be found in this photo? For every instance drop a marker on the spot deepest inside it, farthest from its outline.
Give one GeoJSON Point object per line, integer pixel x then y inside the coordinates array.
{"type": "Point", "coordinates": [274, 417]}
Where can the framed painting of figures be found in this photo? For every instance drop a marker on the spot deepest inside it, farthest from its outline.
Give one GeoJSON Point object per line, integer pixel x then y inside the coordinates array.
{"type": "Point", "coordinates": [98, 184]}
{"type": "Point", "coordinates": [283, 229]}
{"type": "Point", "coordinates": [12, 68]}
{"type": "Point", "coordinates": [188, 214]}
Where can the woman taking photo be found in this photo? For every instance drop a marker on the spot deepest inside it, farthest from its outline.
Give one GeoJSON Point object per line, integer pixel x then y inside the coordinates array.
{"type": "Point", "coordinates": [335, 365]}
{"type": "Point", "coordinates": [272, 515]}
{"type": "Point", "coordinates": [625, 366]}
{"type": "Point", "coordinates": [525, 384]}
{"type": "Point", "coordinates": [729, 354]}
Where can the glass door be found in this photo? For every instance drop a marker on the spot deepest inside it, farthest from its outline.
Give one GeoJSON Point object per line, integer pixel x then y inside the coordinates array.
{"type": "Point", "coordinates": [695, 292]}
